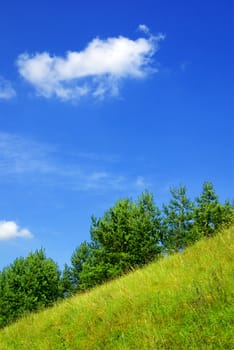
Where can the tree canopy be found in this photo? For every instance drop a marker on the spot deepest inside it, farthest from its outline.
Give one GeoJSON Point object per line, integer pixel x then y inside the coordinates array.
{"type": "Point", "coordinates": [26, 285]}
{"type": "Point", "coordinates": [129, 235]}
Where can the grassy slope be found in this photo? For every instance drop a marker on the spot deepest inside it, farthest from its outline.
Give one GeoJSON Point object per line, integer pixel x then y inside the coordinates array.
{"type": "Point", "coordinates": [181, 302]}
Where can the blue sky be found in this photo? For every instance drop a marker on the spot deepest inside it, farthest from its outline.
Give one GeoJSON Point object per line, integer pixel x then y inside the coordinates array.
{"type": "Point", "coordinates": [100, 100]}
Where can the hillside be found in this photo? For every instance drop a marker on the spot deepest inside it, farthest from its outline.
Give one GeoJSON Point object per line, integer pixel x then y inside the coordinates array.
{"type": "Point", "coordinates": [184, 301]}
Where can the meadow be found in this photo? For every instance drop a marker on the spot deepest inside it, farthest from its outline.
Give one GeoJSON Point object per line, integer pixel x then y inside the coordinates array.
{"type": "Point", "coordinates": [183, 301]}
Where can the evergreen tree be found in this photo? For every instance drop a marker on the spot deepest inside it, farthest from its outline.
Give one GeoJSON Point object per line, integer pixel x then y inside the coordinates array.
{"type": "Point", "coordinates": [209, 214]}
{"type": "Point", "coordinates": [228, 214]}
{"type": "Point", "coordinates": [177, 221]}
{"type": "Point", "coordinates": [127, 236]}
{"type": "Point", "coordinates": [82, 256]}
{"type": "Point", "coordinates": [66, 283]}
{"type": "Point", "coordinates": [129, 232]}
{"type": "Point", "coordinates": [146, 241]}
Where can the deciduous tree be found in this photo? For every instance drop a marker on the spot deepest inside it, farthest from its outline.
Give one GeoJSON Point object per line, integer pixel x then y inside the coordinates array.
{"type": "Point", "coordinates": [26, 285]}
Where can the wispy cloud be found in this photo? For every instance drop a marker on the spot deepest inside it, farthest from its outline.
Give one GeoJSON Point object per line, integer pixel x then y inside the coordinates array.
{"type": "Point", "coordinates": [27, 161]}
{"type": "Point", "coordinates": [6, 90]}
{"type": "Point", "coordinates": [141, 182]}
{"type": "Point", "coordinates": [143, 28]}
{"type": "Point", "coordinates": [20, 156]}
{"type": "Point", "coordinates": [10, 230]}
{"type": "Point", "coordinates": [95, 71]}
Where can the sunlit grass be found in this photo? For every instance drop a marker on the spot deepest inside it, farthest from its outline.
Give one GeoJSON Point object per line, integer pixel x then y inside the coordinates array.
{"type": "Point", "coordinates": [184, 301]}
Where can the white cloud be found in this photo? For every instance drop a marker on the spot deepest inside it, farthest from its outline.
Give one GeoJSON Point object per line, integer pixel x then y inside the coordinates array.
{"type": "Point", "coordinates": [143, 28]}
{"type": "Point", "coordinates": [10, 230]}
{"type": "Point", "coordinates": [95, 71]}
{"type": "Point", "coordinates": [6, 90]}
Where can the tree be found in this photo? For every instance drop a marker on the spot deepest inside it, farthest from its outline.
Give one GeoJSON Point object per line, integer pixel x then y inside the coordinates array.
{"type": "Point", "coordinates": [66, 283]}
{"type": "Point", "coordinates": [127, 236]}
{"type": "Point", "coordinates": [228, 214]}
{"type": "Point", "coordinates": [26, 285]}
{"type": "Point", "coordinates": [128, 233]}
{"type": "Point", "coordinates": [146, 241]}
{"type": "Point", "coordinates": [82, 256]}
{"type": "Point", "coordinates": [178, 220]}
{"type": "Point", "coordinates": [209, 214]}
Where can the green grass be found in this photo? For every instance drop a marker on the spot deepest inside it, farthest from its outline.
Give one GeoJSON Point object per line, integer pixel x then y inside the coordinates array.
{"type": "Point", "coordinates": [184, 301]}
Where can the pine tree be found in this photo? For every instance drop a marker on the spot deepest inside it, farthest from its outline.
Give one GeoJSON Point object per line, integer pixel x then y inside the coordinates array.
{"type": "Point", "coordinates": [127, 236]}
{"type": "Point", "coordinates": [209, 214]}
{"type": "Point", "coordinates": [66, 283]}
{"type": "Point", "coordinates": [177, 220]}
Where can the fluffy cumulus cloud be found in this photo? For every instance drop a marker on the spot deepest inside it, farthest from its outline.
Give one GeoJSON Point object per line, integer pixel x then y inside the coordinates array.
{"type": "Point", "coordinates": [96, 71]}
{"type": "Point", "coordinates": [6, 90]}
{"type": "Point", "coordinates": [10, 230]}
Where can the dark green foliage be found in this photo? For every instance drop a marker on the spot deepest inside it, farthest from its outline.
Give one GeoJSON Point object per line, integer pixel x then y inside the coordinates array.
{"type": "Point", "coordinates": [66, 284]}
{"type": "Point", "coordinates": [26, 285]}
{"type": "Point", "coordinates": [178, 221]}
{"type": "Point", "coordinates": [82, 256]}
{"type": "Point", "coordinates": [146, 245]}
{"type": "Point", "coordinates": [96, 273]}
{"type": "Point", "coordinates": [131, 234]}
{"type": "Point", "coordinates": [209, 214]}
{"type": "Point", "coordinates": [127, 236]}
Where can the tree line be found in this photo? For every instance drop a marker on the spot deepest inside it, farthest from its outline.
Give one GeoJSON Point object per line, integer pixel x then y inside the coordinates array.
{"type": "Point", "coordinates": [129, 235]}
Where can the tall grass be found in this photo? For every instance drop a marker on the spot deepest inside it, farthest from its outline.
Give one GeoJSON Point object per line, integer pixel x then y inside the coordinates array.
{"type": "Point", "coordinates": [184, 301]}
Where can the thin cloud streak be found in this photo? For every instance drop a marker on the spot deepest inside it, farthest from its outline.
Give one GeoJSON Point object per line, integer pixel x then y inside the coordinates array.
{"type": "Point", "coordinates": [20, 156]}
{"type": "Point", "coordinates": [30, 162]}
